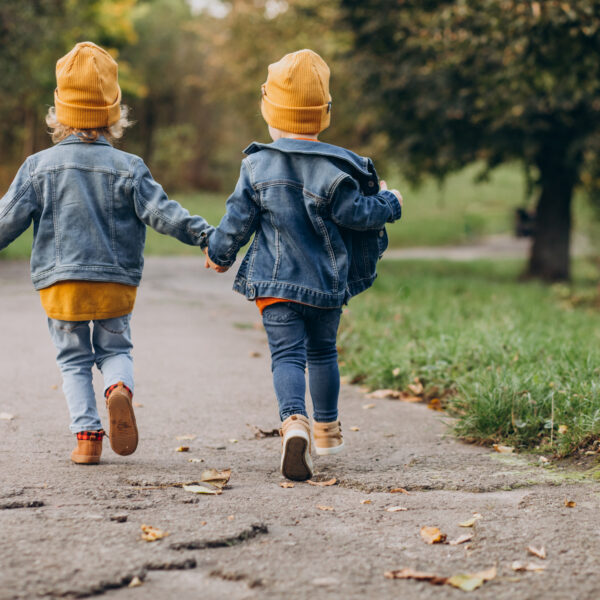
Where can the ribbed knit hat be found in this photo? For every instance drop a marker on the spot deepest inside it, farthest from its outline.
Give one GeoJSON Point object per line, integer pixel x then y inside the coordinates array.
{"type": "Point", "coordinates": [87, 95]}
{"type": "Point", "coordinates": [295, 97]}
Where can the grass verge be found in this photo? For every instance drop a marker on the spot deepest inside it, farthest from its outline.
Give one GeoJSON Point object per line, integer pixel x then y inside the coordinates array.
{"type": "Point", "coordinates": [517, 363]}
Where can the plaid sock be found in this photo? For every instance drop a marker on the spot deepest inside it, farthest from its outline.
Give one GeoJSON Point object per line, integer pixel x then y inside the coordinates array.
{"type": "Point", "coordinates": [108, 392]}
{"type": "Point", "coordinates": [94, 436]}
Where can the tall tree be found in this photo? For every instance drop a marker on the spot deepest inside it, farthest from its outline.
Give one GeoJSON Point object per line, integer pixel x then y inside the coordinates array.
{"type": "Point", "coordinates": [491, 80]}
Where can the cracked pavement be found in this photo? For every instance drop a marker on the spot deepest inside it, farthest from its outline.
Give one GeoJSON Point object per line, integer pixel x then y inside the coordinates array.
{"type": "Point", "coordinates": [202, 369]}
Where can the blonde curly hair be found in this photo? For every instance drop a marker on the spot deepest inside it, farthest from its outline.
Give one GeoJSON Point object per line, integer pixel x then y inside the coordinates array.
{"type": "Point", "coordinates": [58, 131]}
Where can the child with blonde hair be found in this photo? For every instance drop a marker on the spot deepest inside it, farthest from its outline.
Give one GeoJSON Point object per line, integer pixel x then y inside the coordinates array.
{"type": "Point", "coordinates": [318, 215]}
{"type": "Point", "coordinates": [90, 204]}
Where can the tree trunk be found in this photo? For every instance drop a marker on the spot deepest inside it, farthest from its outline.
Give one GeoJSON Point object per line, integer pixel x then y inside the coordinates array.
{"type": "Point", "coordinates": [549, 258]}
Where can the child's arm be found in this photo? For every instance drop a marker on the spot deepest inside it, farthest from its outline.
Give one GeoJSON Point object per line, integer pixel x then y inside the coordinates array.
{"type": "Point", "coordinates": [154, 208]}
{"type": "Point", "coordinates": [17, 206]}
{"type": "Point", "coordinates": [351, 209]}
{"type": "Point", "coordinates": [238, 224]}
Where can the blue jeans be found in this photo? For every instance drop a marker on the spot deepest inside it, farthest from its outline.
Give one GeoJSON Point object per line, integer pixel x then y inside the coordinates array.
{"type": "Point", "coordinates": [298, 334]}
{"type": "Point", "coordinates": [108, 346]}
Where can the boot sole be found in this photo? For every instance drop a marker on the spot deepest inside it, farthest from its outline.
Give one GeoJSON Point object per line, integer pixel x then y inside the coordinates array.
{"type": "Point", "coordinates": [85, 460]}
{"type": "Point", "coordinates": [327, 451]}
{"type": "Point", "coordinates": [123, 433]}
{"type": "Point", "coordinates": [296, 463]}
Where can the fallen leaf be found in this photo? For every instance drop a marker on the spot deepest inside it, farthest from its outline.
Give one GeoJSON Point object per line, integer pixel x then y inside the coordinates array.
{"type": "Point", "coordinates": [322, 507]}
{"type": "Point", "coordinates": [465, 582]}
{"type": "Point", "coordinates": [399, 491]}
{"type": "Point", "coordinates": [503, 449]}
{"type": "Point", "coordinates": [263, 433]}
{"type": "Point", "coordinates": [151, 534]}
{"type": "Point", "coordinates": [354, 428]}
{"type": "Point", "coordinates": [435, 404]}
{"type": "Point", "coordinates": [382, 394]}
{"type": "Point", "coordinates": [543, 459]}
{"type": "Point", "coordinates": [54, 387]}
{"type": "Point", "coordinates": [182, 449]}
{"type": "Point", "coordinates": [367, 406]}
{"type": "Point", "coordinates": [366, 501]}
{"type": "Point", "coordinates": [395, 508]}
{"type": "Point", "coordinates": [286, 484]}
{"type": "Point", "coordinates": [231, 517]}
{"type": "Point", "coordinates": [254, 354]}
{"type": "Point", "coordinates": [410, 398]}
{"type": "Point", "coordinates": [432, 535]}
{"type": "Point", "coordinates": [418, 575]}
{"type": "Point", "coordinates": [195, 460]}
{"type": "Point", "coordinates": [233, 441]}
{"type": "Point", "coordinates": [562, 429]}
{"type": "Point", "coordinates": [521, 566]}
{"type": "Point", "coordinates": [6, 416]}
{"type": "Point", "coordinates": [138, 404]}
{"type": "Point", "coordinates": [570, 503]}
{"type": "Point", "coordinates": [185, 437]}
{"type": "Point", "coordinates": [217, 478]}
{"type": "Point", "coordinates": [416, 388]}
{"type": "Point", "coordinates": [470, 522]}
{"type": "Point", "coordinates": [467, 537]}
{"type": "Point", "coordinates": [202, 489]}
{"type": "Point", "coordinates": [539, 552]}
{"type": "Point", "coordinates": [323, 483]}
{"type": "Point", "coordinates": [135, 582]}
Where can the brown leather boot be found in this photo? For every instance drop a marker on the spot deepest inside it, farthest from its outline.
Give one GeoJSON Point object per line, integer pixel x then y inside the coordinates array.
{"type": "Point", "coordinates": [123, 433]}
{"type": "Point", "coordinates": [89, 448]}
{"type": "Point", "coordinates": [296, 462]}
{"type": "Point", "coordinates": [328, 437]}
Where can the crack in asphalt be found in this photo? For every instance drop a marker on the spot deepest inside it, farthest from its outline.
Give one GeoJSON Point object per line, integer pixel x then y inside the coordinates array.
{"type": "Point", "coordinates": [16, 504]}
{"type": "Point", "coordinates": [247, 534]}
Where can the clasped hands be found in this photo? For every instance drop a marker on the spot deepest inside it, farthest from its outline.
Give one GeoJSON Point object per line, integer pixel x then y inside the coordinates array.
{"type": "Point", "coordinates": [209, 264]}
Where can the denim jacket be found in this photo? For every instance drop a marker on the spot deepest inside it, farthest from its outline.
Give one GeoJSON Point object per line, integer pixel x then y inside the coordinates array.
{"type": "Point", "coordinates": [317, 218]}
{"type": "Point", "coordinates": [90, 204]}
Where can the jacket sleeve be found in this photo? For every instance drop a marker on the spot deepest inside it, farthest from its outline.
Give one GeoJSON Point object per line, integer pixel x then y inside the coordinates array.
{"type": "Point", "coordinates": [18, 206]}
{"type": "Point", "coordinates": [351, 209]}
{"type": "Point", "coordinates": [238, 224]}
{"type": "Point", "coordinates": [154, 208]}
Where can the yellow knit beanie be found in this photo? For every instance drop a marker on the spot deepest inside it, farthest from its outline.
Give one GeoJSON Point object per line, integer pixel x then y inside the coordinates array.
{"type": "Point", "coordinates": [295, 97]}
{"type": "Point", "coordinates": [87, 95]}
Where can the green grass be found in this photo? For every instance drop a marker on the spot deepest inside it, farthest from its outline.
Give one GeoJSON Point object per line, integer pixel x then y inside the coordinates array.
{"type": "Point", "coordinates": [513, 361]}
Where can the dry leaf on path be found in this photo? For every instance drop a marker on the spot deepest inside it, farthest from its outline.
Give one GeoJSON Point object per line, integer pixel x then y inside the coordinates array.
{"type": "Point", "coordinates": [521, 566]}
{"type": "Point", "coordinates": [286, 484]}
{"type": "Point", "coordinates": [467, 582]}
{"type": "Point", "coordinates": [323, 483]}
{"type": "Point", "coordinates": [322, 507]}
{"type": "Point", "coordinates": [6, 416]}
{"type": "Point", "coordinates": [399, 491]}
{"type": "Point", "coordinates": [417, 575]}
{"type": "Point", "coordinates": [367, 406]}
{"type": "Point", "coordinates": [254, 354]}
{"type": "Point", "coordinates": [135, 582]}
{"type": "Point", "coordinates": [354, 429]}
{"type": "Point", "coordinates": [263, 433]}
{"type": "Point", "coordinates": [182, 438]}
{"type": "Point", "coordinates": [382, 394]}
{"type": "Point", "coordinates": [233, 441]}
{"type": "Point", "coordinates": [195, 460]}
{"type": "Point", "coordinates": [366, 501]}
{"type": "Point", "coordinates": [503, 449]}
{"type": "Point", "coordinates": [539, 552]}
{"type": "Point", "coordinates": [182, 449]}
{"type": "Point", "coordinates": [202, 489]}
{"type": "Point", "coordinates": [570, 503]}
{"type": "Point", "coordinates": [470, 522]}
{"type": "Point", "coordinates": [138, 404]}
{"type": "Point", "coordinates": [467, 537]}
{"type": "Point", "coordinates": [435, 404]}
{"type": "Point", "coordinates": [395, 508]}
{"type": "Point", "coordinates": [231, 518]}
{"type": "Point", "coordinates": [416, 388]}
{"type": "Point", "coordinates": [432, 535]}
{"type": "Point", "coordinates": [151, 534]}
{"type": "Point", "coordinates": [217, 478]}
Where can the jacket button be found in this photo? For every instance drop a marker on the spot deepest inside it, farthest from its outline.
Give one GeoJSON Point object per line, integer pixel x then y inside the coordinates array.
{"type": "Point", "coordinates": [371, 183]}
{"type": "Point", "coordinates": [381, 233]}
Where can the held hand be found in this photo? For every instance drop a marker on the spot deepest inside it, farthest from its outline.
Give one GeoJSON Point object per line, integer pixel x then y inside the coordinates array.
{"type": "Point", "coordinates": [209, 264]}
{"type": "Point", "coordinates": [383, 186]}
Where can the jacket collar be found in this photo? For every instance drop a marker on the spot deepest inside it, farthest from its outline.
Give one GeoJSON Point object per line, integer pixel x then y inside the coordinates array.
{"type": "Point", "coordinates": [363, 167]}
{"type": "Point", "coordinates": [75, 139]}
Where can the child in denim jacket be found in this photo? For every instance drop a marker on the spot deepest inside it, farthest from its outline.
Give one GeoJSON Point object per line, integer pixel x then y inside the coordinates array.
{"type": "Point", "coordinates": [90, 204]}
{"type": "Point", "coordinates": [317, 213]}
